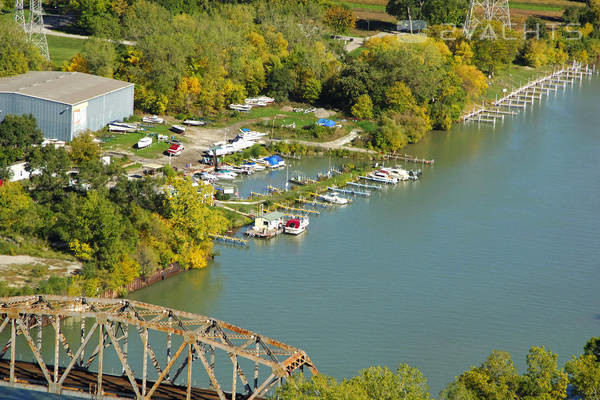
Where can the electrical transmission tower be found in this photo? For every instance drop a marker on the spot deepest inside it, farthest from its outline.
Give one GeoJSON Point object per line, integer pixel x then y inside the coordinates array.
{"type": "Point", "coordinates": [34, 28]}
{"type": "Point", "coordinates": [487, 10]}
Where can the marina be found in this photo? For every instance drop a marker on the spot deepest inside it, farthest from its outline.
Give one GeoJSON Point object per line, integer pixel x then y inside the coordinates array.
{"type": "Point", "coordinates": [472, 258]}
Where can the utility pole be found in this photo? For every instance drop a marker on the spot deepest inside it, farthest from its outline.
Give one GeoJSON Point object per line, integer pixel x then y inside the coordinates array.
{"type": "Point", "coordinates": [486, 10]}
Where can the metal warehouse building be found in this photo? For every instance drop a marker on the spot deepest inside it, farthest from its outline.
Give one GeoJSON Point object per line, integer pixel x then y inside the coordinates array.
{"type": "Point", "coordinates": [66, 103]}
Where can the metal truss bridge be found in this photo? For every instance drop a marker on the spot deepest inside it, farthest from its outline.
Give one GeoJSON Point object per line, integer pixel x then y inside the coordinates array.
{"type": "Point", "coordinates": [66, 343]}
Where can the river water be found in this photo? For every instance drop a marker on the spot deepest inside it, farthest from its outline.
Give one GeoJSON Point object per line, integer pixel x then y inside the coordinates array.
{"type": "Point", "coordinates": [497, 247]}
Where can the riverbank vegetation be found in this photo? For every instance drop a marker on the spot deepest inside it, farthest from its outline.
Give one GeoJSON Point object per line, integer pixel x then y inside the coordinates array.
{"type": "Point", "coordinates": [496, 378]}
{"type": "Point", "coordinates": [119, 229]}
{"type": "Point", "coordinates": [195, 59]}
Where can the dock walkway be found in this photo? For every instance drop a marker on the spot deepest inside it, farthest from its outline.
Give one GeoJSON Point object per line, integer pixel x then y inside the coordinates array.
{"type": "Point", "coordinates": [517, 100]}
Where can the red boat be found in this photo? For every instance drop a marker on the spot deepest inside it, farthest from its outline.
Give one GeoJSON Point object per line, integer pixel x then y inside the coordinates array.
{"type": "Point", "coordinates": [175, 150]}
{"type": "Point", "coordinates": [296, 226]}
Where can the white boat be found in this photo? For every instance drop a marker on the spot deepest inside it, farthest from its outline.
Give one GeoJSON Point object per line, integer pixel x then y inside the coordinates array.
{"type": "Point", "coordinates": [247, 134]}
{"type": "Point", "coordinates": [241, 107]}
{"type": "Point", "coordinates": [242, 144]}
{"type": "Point", "coordinates": [120, 128]}
{"type": "Point", "coordinates": [333, 198]}
{"type": "Point", "coordinates": [296, 226]}
{"type": "Point", "coordinates": [225, 175]}
{"type": "Point", "coordinates": [192, 122]}
{"type": "Point", "coordinates": [153, 119]}
{"type": "Point", "coordinates": [400, 173]}
{"type": "Point", "coordinates": [221, 150]}
{"type": "Point", "coordinates": [144, 142]}
{"type": "Point", "coordinates": [175, 150]}
{"type": "Point", "coordinates": [383, 177]}
{"type": "Point", "coordinates": [259, 101]}
{"type": "Point", "coordinates": [178, 129]}
{"type": "Point", "coordinates": [207, 176]}
{"type": "Point", "coordinates": [254, 165]}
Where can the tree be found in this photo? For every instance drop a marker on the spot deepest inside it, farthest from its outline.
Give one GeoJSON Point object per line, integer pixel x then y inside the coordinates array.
{"type": "Point", "coordinates": [100, 57]}
{"type": "Point", "coordinates": [592, 347]}
{"type": "Point", "coordinates": [49, 180]}
{"type": "Point", "coordinates": [400, 98]}
{"type": "Point", "coordinates": [405, 9]}
{"type": "Point", "coordinates": [83, 149]}
{"type": "Point", "coordinates": [191, 219]}
{"type": "Point", "coordinates": [96, 222]}
{"type": "Point", "coordinates": [363, 108]}
{"type": "Point", "coordinates": [543, 380]}
{"type": "Point", "coordinates": [383, 384]}
{"type": "Point", "coordinates": [17, 54]}
{"type": "Point", "coordinates": [391, 135]}
{"type": "Point", "coordinates": [536, 28]}
{"type": "Point", "coordinates": [584, 374]}
{"type": "Point", "coordinates": [340, 18]}
{"type": "Point", "coordinates": [18, 212]}
{"type": "Point", "coordinates": [18, 136]}
{"type": "Point", "coordinates": [496, 379]}
{"type": "Point", "coordinates": [494, 46]}
{"type": "Point", "coordinates": [445, 11]}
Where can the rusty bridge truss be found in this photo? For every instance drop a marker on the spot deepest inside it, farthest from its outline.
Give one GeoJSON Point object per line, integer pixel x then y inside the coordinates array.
{"type": "Point", "coordinates": [69, 341]}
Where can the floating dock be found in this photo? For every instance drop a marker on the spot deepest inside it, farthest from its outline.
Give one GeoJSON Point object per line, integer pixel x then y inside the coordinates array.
{"type": "Point", "coordinates": [409, 158]}
{"type": "Point", "coordinates": [365, 186]}
{"type": "Point", "coordinates": [313, 202]}
{"type": "Point", "coordinates": [300, 210]}
{"type": "Point", "coordinates": [350, 191]}
{"type": "Point", "coordinates": [230, 240]}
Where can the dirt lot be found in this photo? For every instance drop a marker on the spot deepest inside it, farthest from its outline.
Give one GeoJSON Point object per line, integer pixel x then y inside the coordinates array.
{"type": "Point", "coordinates": [18, 271]}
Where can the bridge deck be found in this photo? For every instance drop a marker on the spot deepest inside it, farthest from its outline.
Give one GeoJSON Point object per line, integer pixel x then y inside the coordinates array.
{"type": "Point", "coordinates": [84, 383]}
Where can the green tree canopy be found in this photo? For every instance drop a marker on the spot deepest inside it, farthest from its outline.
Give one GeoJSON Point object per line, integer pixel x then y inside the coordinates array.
{"type": "Point", "coordinates": [17, 54]}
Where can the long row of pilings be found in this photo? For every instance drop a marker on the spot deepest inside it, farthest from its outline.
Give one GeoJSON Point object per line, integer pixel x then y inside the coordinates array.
{"type": "Point", "coordinates": [517, 100]}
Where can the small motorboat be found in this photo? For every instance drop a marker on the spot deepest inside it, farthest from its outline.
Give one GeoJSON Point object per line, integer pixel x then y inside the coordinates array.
{"type": "Point", "coordinates": [175, 150]}
{"type": "Point", "coordinates": [153, 119]}
{"type": "Point", "coordinates": [241, 107]}
{"type": "Point", "coordinates": [178, 129]}
{"type": "Point", "coordinates": [144, 142]}
{"type": "Point", "coordinates": [192, 122]}
{"type": "Point", "coordinates": [225, 175]}
{"type": "Point", "coordinates": [400, 173]}
{"type": "Point", "coordinates": [247, 134]}
{"type": "Point", "coordinates": [296, 226]}
{"type": "Point", "coordinates": [255, 166]}
{"type": "Point", "coordinates": [379, 176]}
{"type": "Point", "coordinates": [334, 198]}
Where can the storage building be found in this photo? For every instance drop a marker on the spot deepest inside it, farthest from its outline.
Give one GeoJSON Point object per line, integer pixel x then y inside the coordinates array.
{"type": "Point", "coordinates": [66, 103]}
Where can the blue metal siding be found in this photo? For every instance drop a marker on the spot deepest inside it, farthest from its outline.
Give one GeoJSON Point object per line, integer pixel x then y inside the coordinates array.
{"type": "Point", "coordinates": [113, 106]}
{"type": "Point", "coordinates": [54, 119]}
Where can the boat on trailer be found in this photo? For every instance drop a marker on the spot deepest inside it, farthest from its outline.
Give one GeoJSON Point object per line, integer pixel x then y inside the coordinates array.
{"type": "Point", "coordinates": [178, 129]}
{"type": "Point", "coordinates": [144, 142]}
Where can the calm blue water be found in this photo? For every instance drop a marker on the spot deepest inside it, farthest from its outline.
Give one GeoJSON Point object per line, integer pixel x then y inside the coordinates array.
{"type": "Point", "coordinates": [497, 247]}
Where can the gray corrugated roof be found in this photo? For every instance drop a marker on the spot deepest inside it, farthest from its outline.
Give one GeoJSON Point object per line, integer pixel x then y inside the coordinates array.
{"type": "Point", "coordinates": [63, 87]}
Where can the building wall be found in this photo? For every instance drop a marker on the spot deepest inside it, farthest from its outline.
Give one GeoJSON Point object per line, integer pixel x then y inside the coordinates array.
{"type": "Point", "coordinates": [63, 122]}
{"type": "Point", "coordinates": [101, 110]}
{"type": "Point", "coordinates": [54, 119]}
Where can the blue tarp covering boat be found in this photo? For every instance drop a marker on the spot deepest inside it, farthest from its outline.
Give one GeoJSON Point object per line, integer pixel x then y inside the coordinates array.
{"type": "Point", "coordinates": [326, 122]}
{"type": "Point", "coordinates": [273, 160]}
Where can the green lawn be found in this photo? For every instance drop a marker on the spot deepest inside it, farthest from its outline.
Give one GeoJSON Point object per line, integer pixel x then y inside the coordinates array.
{"type": "Point", "coordinates": [535, 6]}
{"type": "Point", "coordinates": [62, 49]}
{"type": "Point", "coordinates": [513, 77]}
{"type": "Point", "coordinates": [128, 141]}
{"type": "Point", "coordinates": [363, 6]}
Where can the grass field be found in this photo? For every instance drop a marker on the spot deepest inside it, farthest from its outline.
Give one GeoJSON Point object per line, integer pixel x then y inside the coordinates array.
{"type": "Point", "coordinates": [62, 49]}
{"type": "Point", "coordinates": [512, 78]}
{"type": "Point", "coordinates": [128, 141]}
{"type": "Point", "coordinates": [373, 18]}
